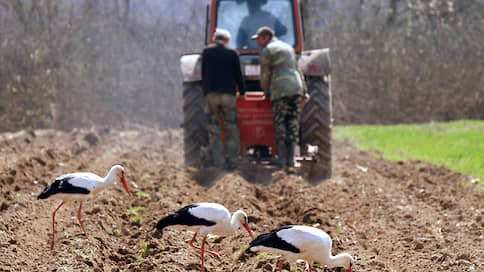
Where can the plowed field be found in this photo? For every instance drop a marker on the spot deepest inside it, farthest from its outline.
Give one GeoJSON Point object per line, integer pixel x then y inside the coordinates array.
{"type": "Point", "coordinates": [392, 216]}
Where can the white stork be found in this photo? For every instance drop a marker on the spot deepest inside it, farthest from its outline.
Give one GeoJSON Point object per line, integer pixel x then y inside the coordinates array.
{"type": "Point", "coordinates": [301, 243]}
{"type": "Point", "coordinates": [80, 186]}
{"type": "Point", "coordinates": [206, 218]}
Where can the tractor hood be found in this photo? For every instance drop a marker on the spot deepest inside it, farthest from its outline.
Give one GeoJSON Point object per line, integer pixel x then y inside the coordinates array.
{"type": "Point", "coordinates": [315, 62]}
{"type": "Point", "coordinates": [191, 67]}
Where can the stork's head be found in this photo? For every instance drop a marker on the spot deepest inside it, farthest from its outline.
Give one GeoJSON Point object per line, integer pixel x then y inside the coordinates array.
{"type": "Point", "coordinates": [243, 220]}
{"type": "Point", "coordinates": [347, 261]}
{"type": "Point", "coordinates": [118, 170]}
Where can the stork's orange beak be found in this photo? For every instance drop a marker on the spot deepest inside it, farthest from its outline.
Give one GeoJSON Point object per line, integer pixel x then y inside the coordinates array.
{"type": "Point", "coordinates": [246, 226]}
{"type": "Point", "coordinates": [125, 184]}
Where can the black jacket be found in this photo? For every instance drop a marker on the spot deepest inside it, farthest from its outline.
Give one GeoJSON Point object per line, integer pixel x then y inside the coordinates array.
{"type": "Point", "coordinates": [221, 70]}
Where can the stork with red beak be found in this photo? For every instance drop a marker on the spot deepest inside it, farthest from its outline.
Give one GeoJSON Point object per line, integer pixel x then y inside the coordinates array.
{"type": "Point", "coordinates": [206, 218]}
{"type": "Point", "coordinates": [301, 243]}
{"type": "Point", "coordinates": [80, 186]}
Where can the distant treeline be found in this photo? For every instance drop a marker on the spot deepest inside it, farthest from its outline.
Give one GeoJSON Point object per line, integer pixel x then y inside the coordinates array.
{"type": "Point", "coordinates": [67, 64]}
{"type": "Point", "coordinates": [402, 61]}
{"type": "Point", "coordinates": [71, 63]}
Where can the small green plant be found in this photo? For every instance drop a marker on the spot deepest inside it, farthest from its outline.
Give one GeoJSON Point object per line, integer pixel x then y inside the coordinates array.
{"type": "Point", "coordinates": [131, 132]}
{"type": "Point", "coordinates": [143, 194]}
{"type": "Point", "coordinates": [262, 258]}
{"type": "Point", "coordinates": [363, 257]}
{"type": "Point", "coordinates": [117, 233]}
{"type": "Point", "coordinates": [145, 176]}
{"type": "Point", "coordinates": [137, 212]}
{"type": "Point", "coordinates": [239, 253]}
{"type": "Point", "coordinates": [163, 188]}
{"type": "Point", "coordinates": [144, 250]}
{"type": "Point", "coordinates": [339, 228]}
{"type": "Point", "coordinates": [138, 219]}
{"type": "Point", "coordinates": [294, 269]}
{"type": "Point", "coordinates": [99, 240]}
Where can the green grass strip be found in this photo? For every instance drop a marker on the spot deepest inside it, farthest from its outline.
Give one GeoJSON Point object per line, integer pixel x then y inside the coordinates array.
{"type": "Point", "coordinates": [457, 145]}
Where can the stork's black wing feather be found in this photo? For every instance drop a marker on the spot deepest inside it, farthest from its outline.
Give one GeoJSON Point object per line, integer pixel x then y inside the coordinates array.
{"type": "Point", "coordinates": [183, 217]}
{"type": "Point", "coordinates": [62, 186]}
{"type": "Point", "coordinates": [272, 240]}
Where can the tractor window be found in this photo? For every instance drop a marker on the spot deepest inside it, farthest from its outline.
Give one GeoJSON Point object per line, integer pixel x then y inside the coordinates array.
{"type": "Point", "coordinates": [242, 18]}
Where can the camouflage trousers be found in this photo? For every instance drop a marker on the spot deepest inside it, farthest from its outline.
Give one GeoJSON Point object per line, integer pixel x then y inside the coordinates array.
{"type": "Point", "coordinates": [285, 113]}
{"type": "Point", "coordinates": [223, 106]}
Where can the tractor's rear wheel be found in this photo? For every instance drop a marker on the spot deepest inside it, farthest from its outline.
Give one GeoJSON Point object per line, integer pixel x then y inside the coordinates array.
{"type": "Point", "coordinates": [316, 131]}
{"type": "Point", "coordinates": [195, 137]}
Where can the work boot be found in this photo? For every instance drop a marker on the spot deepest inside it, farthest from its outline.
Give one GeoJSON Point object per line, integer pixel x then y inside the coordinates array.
{"type": "Point", "coordinates": [290, 149]}
{"type": "Point", "coordinates": [280, 161]}
{"type": "Point", "coordinates": [231, 164]}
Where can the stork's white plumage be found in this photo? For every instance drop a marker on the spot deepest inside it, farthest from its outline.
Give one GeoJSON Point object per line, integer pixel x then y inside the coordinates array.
{"type": "Point", "coordinates": [80, 186]}
{"type": "Point", "coordinates": [301, 243]}
{"type": "Point", "coordinates": [206, 218]}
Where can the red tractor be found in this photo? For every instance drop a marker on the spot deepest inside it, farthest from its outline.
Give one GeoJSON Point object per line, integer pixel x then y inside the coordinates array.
{"type": "Point", "coordinates": [242, 18]}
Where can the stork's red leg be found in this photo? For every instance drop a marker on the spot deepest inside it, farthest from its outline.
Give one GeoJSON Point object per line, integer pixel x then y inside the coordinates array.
{"type": "Point", "coordinates": [214, 254]}
{"type": "Point", "coordinates": [193, 239]}
{"type": "Point", "coordinates": [280, 265]}
{"type": "Point", "coordinates": [309, 267]}
{"type": "Point", "coordinates": [53, 224]}
{"type": "Point", "coordinates": [203, 249]}
{"type": "Point", "coordinates": [79, 218]}
{"type": "Point", "coordinates": [199, 248]}
{"type": "Point", "coordinates": [206, 250]}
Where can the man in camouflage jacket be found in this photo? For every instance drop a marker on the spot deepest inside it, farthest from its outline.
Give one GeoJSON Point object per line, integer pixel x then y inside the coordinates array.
{"type": "Point", "coordinates": [221, 75]}
{"type": "Point", "coordinates": [282, 82]}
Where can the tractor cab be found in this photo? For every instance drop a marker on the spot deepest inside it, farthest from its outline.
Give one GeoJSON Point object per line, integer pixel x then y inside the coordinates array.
{"type": "Point", "coordinates": [242, 18]}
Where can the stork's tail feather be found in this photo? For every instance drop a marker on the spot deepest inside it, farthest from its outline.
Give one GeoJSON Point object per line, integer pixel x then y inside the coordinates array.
{"type": "Point", "coordinates": [50, 190]}
{"type": "Point", "coordinates": [167, 221]}
{"type": "Point", "coordinates": [259, 241]}
{"type": "Point", "coordinates": [271, 240]}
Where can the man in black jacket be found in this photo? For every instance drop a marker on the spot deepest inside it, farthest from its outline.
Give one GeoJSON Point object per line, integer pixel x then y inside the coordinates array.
{"type": "Point", "coordinates": [221, 76]}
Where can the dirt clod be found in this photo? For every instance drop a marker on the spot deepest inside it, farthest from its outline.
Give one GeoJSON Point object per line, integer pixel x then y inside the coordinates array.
{"type": "Point", "coordinates": [91, 138]}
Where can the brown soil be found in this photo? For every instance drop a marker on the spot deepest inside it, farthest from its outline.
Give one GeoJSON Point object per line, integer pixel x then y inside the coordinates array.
{"type": "Point", "coordinates": [393, 216]}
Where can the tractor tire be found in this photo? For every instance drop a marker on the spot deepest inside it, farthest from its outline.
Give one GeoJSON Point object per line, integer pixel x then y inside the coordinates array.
{"type": "Point", "coordinates": [315, 128]}
{"type": "Point", "coordinates": [195, 138]}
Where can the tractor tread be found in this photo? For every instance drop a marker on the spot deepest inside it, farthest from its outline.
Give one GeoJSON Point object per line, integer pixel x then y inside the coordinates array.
{"type": "Point", "coordinates": [194, 124]}
{"type": "Point", "coordinates": [316, 128]}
